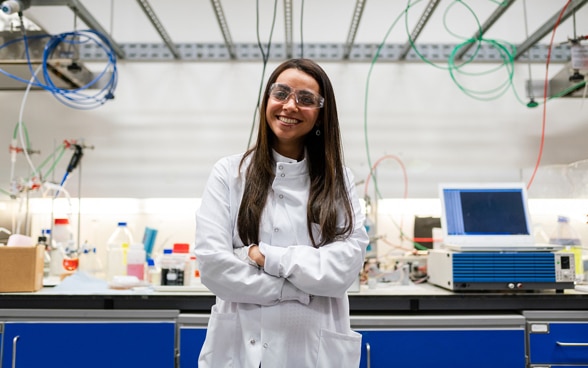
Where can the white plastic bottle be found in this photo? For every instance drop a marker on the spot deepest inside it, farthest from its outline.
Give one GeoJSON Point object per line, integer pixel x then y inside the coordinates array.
{"type": "Point", "coordinates": [43, 241]}
{"type": "Point", "coordinates": [89, 261]}
{"type": "Point", "coordinates": [181, 252]}
{"type": "Point", "coordinates": [153, 272]}
{"type": "Point", "coordinates": [117, 247]}
{"type": "Point", "coordinates": [61, 240]}
{"type": "Point", "coordinates": [172, 268]}
{"type": "Point", "coordinates": [136, 258]}
{"type": "Point", "coordinates": [564, 234]}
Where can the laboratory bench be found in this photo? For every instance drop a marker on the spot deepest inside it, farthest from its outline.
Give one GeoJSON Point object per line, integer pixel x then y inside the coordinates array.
{"type": "Point", "coordinates": [152, 328]}
{"type": "Point", "coordinates": [409, 299]}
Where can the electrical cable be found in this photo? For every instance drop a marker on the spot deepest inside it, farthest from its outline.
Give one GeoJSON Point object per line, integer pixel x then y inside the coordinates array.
{"type": "Point", "coordinates": [545, 87]}
{"type": "Point", "coordinates": [506, 51]}
{"type": "Point", "coordinates": [265, 58]}
{"type": "Point", "coordinates": [404, 196]}
{"type": "Point", "coordinates": [365, 101]}
{"type": "Point", "coordinates": [532, 102]}
{"type": "Point", "coordinates": [20, 124]}
{"type": "Point", "coordinates": [374, 167]}
{"type": "Point", "coordinates": [79, 98]}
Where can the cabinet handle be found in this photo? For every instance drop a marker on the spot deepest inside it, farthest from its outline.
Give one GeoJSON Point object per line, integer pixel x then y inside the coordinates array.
{"type": "Point", "coordinates": [368, 355]}
{"type": "Point", "coordinates": [571, 343]}
{"type": "Point", "coordinates": [14, 341]}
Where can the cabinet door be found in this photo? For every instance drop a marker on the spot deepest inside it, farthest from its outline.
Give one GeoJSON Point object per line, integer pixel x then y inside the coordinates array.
{"type": "Point", "coordinates": [89, 344]}
{"type": "Point", "coordinates": [559, 343]}
{"type": "Point", "coordinates": [456, 348]}
{"type": "Point", "coordinates": [190, 344]}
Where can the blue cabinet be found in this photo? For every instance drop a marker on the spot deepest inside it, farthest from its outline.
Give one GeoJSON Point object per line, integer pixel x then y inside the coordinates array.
{"type": "Point", "coordinates": [557, 338]}
{"type": "Point", "coordinates": [442, 341]}
{"type": "Point", "coordinates": [191, 335]}
{"type": "Point", "coordinates": [94, 342]}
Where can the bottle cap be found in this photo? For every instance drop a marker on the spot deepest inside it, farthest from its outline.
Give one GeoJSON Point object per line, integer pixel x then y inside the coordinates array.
{"type": "Point", "coordinates": [167, 251]}
{"type": "Point", "coordinates": [61, 221]}
{"type": "Point", "coordinates": [181, 248]}
{"type": "Point", "coordinates": [561, 218]}
{"type": "Point", "coordinates": [122, 223]}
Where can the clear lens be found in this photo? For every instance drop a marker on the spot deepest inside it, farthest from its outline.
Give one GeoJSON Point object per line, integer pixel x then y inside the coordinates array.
{"type": "Point", "coordinates": [304, 99]}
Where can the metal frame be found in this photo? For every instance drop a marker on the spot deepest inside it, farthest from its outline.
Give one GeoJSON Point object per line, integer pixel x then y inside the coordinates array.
{"type": "Point", "coordinates": [500, 10]}
{"type": "Point", "coordinates": [288, 44]}
{"type": "Point", "coordinates": [429, 10]}
{"type": "Point", "coordinates": [357, 13]}
{"type": "Point", "coordinates": [527, 51]}
{"type": "Point", "coordinates": [80, 10]}
{"type": "Point", "coordinates": [224, 27]}
{"type": "Point", "coordinates": [331, 52]}
{"type": "Point", "coordinates": [548, 27]}
{"type": "Point", "coordinates": [148, 10]}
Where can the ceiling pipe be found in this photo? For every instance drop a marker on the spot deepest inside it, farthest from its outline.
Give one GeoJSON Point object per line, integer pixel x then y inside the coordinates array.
{"type": "Point", "coordinates": [357, 13]}
{"type": "Point", "coordinates": [159, 27]}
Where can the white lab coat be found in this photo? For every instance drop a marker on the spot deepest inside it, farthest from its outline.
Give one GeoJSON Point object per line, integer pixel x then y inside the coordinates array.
{"type": "Point", "coordinates": [294, 313]}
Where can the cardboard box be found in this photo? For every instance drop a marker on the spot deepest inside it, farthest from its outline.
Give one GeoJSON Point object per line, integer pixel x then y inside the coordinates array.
{"type": "Point", "coordinates": [21, 268]}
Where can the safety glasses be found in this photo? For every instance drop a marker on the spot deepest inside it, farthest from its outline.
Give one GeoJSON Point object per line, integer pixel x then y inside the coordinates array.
{"type": "Point", "coordinates": [305, 99]}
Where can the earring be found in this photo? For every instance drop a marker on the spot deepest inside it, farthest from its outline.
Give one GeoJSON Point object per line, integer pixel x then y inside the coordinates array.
{"type": "Point", "coordinates": [317, 132]}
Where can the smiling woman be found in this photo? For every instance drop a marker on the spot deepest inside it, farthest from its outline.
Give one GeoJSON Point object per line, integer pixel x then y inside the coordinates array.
{"type": "Point", "coordinates": [280, 235]}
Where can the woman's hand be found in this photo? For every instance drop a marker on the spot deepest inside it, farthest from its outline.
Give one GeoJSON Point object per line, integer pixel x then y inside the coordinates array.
{"type": "Point", "coordinates": [256, 255]}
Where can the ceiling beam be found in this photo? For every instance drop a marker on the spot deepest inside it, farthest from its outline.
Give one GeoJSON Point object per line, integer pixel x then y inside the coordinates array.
{"type": "Point", "coordinates": [548, 27]}
{"type": "Point", "coordinates": [224, 27]}
{"type": "Point", "coordinates": [159, 27]}
{"type": "Point", "coordinates": [289, 44]}
{"type": "Point", "coordinates": [80, 10]}
{"type": "Point", "coordinates": [357, 13]}
{"type": "Point", "coordinates": [500, 10]}
{"type": "Point", "coordinates": [419, 27]}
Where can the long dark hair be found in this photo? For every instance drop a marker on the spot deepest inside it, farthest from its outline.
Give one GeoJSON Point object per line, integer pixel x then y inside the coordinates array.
{"type": "Point", "coordinates": [328, 191]}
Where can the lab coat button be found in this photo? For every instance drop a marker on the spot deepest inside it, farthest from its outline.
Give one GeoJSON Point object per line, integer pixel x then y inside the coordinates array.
{"type": "Point", "coordinates": [282, 175]}
{"type": "Point", "coordinates": [281, 167]}
{"type": "Point", "coordinates": [265, 345]}
{"type": "Point", "coordinates": [281, 196]}
{"type": "Point", "coordinates": [252, 341]}
{"type": "Point", "coordinates": [276, 230]}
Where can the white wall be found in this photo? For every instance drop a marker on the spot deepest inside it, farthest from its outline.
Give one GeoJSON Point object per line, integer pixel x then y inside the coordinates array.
{"type": "Point", "coordinates": [169, 122]}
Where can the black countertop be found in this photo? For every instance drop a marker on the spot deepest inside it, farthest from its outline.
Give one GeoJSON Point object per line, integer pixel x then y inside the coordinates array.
{"type": "Point", "coordinates": [415, 299]}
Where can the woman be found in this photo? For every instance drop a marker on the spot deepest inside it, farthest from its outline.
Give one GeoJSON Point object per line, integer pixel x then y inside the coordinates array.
{"type": "Point", "coordinates": [280, 236]}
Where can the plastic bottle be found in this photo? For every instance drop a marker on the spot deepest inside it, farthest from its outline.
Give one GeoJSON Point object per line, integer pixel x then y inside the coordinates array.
{"type": "Point", "coordinates": [136, 261]}
{"type": "Point", "coordinates": [61, 243]}
{"type": "Point", "coordinates": [370, 228]}
{"type": "Point", "coordinates": [153, 272]}
{"type": "Point", "coordinates": [181, 252]}
{"type": "Point", "coordinates": [172, 269]}
{"type": "Point", "coordinates": [194, 271]}
{"type": "Point", "coordinates": [42, 240]}
{"type": "Point", "coordinates": [564, 234]}
{"type": "Point", "coordinates": [89, 261]}
{"type": "Point", "coordinates": [117, 246]}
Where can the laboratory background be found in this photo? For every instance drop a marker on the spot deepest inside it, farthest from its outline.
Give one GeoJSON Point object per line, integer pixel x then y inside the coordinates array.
{"type": "Point", "coordinates": [114, 112]}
